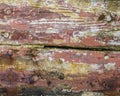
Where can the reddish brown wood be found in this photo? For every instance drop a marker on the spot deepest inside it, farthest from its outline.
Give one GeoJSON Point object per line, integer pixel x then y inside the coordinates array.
{"type": "Point", "coordinates": [71, 70]}
{"type": "Point", "coordinates": [62, 47]}
{"type": "Point", "coordinates": [71, 26]}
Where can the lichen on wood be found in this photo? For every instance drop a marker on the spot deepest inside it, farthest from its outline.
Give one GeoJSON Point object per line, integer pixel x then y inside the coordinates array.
{"type": "Point", "coordinates": [59, 47]}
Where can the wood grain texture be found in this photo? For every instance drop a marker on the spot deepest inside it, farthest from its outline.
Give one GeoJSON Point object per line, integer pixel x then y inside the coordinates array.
{"type": "Point", "coordinates": [88, 23]}
{"type": "Point", "coordinates": [59, 48]}
{"type": "Point", "coordinates": [58, 71]}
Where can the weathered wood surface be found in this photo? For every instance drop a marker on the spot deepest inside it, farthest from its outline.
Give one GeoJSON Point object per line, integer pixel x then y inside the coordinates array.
{"type": "Point", "coordinates": [29, 66]}
{"type": "Point", "coordinates": [58, 71]}
{"type": "Point", "coordinates": [79, 23]}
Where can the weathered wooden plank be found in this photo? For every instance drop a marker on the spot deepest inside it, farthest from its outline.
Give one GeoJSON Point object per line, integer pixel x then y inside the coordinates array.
{"type": "Point", "coordinates": [58, 70]}
{"type": "Point", "coordinates": [88, 23]}
{"type": "Point", "coordinates": [34, 71]}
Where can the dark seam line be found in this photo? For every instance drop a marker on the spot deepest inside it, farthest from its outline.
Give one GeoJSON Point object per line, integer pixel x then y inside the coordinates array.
{"type": "Point", "coordinates": [46, 46]}
{"type": "Point", "coordinates": [113, 48]}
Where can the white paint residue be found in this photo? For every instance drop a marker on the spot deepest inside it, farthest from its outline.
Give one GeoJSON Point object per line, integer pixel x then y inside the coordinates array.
{"type": "Point", "coordinates": [50, 58]}
{"type": "Point", "coordinates": [52, 30]}
{"type": "Point", "coordinates": [112, 42]}
{"type": "Point", "coordinates": [85, 54]}
{"type": "Point", "coordinates": [78, 34]}
{"type": "Point", "coordinates": [95, 67]}
{"type": "Point", "coordinates": [106, 57]}
{"type": "Point", "coordinates": [109, 66]}
{"type": "Point", "coordinates": [62, 59]}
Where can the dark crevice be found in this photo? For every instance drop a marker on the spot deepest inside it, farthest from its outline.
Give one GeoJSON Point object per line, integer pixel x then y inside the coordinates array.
{"type": "Point", "coordinates": [108, 48]}
{"type": "Point", "coordinates": [66, 47]}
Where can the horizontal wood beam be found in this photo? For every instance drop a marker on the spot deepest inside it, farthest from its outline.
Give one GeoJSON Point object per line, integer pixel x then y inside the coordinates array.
{"type": "Point", "coordinates": [94, 25]}
{"type": "Point", "coordinates": [59, 47]}
{"type": "Point", "coordinates": [58, 69]}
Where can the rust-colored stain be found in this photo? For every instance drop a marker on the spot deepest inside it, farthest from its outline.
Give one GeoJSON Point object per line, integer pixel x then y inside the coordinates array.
{"type": "Point", "coordinates": [59, 47]}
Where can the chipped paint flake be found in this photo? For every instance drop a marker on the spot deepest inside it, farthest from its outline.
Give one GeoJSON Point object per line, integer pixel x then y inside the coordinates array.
{"type": "Point", "coordinates": [110, 66]}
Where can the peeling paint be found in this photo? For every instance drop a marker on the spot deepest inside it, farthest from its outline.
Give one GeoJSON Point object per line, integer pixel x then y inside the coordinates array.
{"type": "Point", "coordinates": [110, 66]}
{"type": "Point", "coordinates": [29, 66]}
